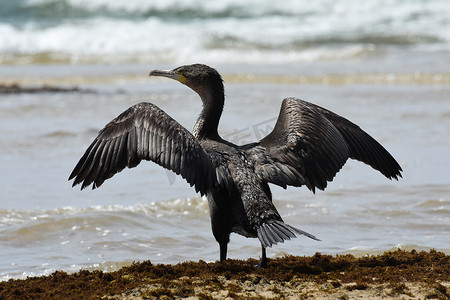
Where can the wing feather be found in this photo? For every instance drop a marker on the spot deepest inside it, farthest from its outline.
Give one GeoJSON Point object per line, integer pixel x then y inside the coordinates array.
{"type": "Point", "coordinates": [144, 132]}
{"type": "Point", "coordinates": [363, 147]}
{"type": "Point", "coordinates": [310, 144]}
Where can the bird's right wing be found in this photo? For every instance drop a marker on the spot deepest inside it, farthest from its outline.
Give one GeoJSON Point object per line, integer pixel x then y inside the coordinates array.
{"type": "Point", "coordinates": [144, 132]}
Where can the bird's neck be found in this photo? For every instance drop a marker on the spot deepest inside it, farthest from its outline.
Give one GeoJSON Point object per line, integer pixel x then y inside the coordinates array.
{"type": "Point", "coordinates": [208, 121]}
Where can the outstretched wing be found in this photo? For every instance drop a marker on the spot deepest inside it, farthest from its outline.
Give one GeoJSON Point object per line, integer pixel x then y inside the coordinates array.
{"type": "Point", "coordinates": [362, 146]}
{"type": "Point", "coordinates": [310, 144]}
{"type": "Point", "coordinates": [144, 132]}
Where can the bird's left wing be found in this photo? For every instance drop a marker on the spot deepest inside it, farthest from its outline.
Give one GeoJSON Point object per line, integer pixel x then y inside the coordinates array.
{"type": "Point", "coordinates": [310, 144]}
{"type": "Point", "coordinates": [144, 132]}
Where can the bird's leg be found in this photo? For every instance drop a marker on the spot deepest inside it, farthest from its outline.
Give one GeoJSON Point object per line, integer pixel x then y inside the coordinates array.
{"type": "Point", "coordinates": [263, 263]}
{"type": "Point", "coordinates": [223, 250]}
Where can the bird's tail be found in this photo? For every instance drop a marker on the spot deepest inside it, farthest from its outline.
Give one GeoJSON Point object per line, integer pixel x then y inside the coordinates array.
{"type": "Point", "coordinates": [274, 232]}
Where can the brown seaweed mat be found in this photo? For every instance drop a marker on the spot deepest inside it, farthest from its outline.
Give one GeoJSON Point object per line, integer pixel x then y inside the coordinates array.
{"type": "Point", "coordinates": [398, 274]}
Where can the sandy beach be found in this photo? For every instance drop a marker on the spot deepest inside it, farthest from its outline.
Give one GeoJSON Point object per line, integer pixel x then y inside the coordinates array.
{"type": "Point", "coordinates": [392, 275]}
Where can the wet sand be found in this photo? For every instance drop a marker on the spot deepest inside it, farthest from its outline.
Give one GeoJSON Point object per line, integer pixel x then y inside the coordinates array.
{"type": "Point", "coordinates": [398, 274]}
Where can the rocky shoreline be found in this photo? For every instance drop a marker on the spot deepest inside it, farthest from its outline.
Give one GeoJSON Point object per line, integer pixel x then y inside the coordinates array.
{"type": "Point", "coordinates": [398, 274]}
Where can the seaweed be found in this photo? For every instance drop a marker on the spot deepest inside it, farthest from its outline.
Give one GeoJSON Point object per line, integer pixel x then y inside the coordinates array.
{"type": "Point", "coordinates": [391, 271]}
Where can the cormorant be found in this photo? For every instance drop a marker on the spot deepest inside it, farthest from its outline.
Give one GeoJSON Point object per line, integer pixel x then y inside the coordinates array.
{"type": "Point", "coordinates": [308, 146]}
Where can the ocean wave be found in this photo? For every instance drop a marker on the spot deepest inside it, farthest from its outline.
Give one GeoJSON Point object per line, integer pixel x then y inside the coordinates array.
{"type": "Point", "coordinates": [97, 237]}
{"type": "Point", "coordinates": [220, 9]}
{"type": "Point", "coordinates": [41, 31]}
{"type": "Point", "coordinates": [20, 226]}
{"type": "Point", "coordinates": [49, 9]}
{"type": "Point", "coordinates": [188, 206]}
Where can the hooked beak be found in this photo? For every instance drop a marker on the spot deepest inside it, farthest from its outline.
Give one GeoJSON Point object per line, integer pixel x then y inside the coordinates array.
{"type": "Point", "coordinates": [169, 74]}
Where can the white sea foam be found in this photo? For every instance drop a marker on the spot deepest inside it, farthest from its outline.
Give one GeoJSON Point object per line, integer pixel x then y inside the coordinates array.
{"type": "Point", "coordinates": [220, 31]}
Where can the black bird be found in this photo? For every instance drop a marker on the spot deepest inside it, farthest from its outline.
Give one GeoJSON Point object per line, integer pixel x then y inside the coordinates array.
{"type": "Point", "coordinates": [308, 146]}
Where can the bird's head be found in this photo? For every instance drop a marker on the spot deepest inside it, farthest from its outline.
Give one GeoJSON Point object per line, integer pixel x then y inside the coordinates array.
{"type": "Point", "coordinates": [203, 79]}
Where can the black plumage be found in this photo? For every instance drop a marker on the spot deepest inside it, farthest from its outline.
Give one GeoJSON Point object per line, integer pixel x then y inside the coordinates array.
{"type": "Point", "coordinates": [308, 146]}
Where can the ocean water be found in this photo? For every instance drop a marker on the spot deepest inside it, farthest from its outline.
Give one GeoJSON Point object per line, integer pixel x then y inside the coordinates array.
{"type": "Point", "coordinates": [382, 64]}
{"type": "Point", "coordinates": [231, 31]}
